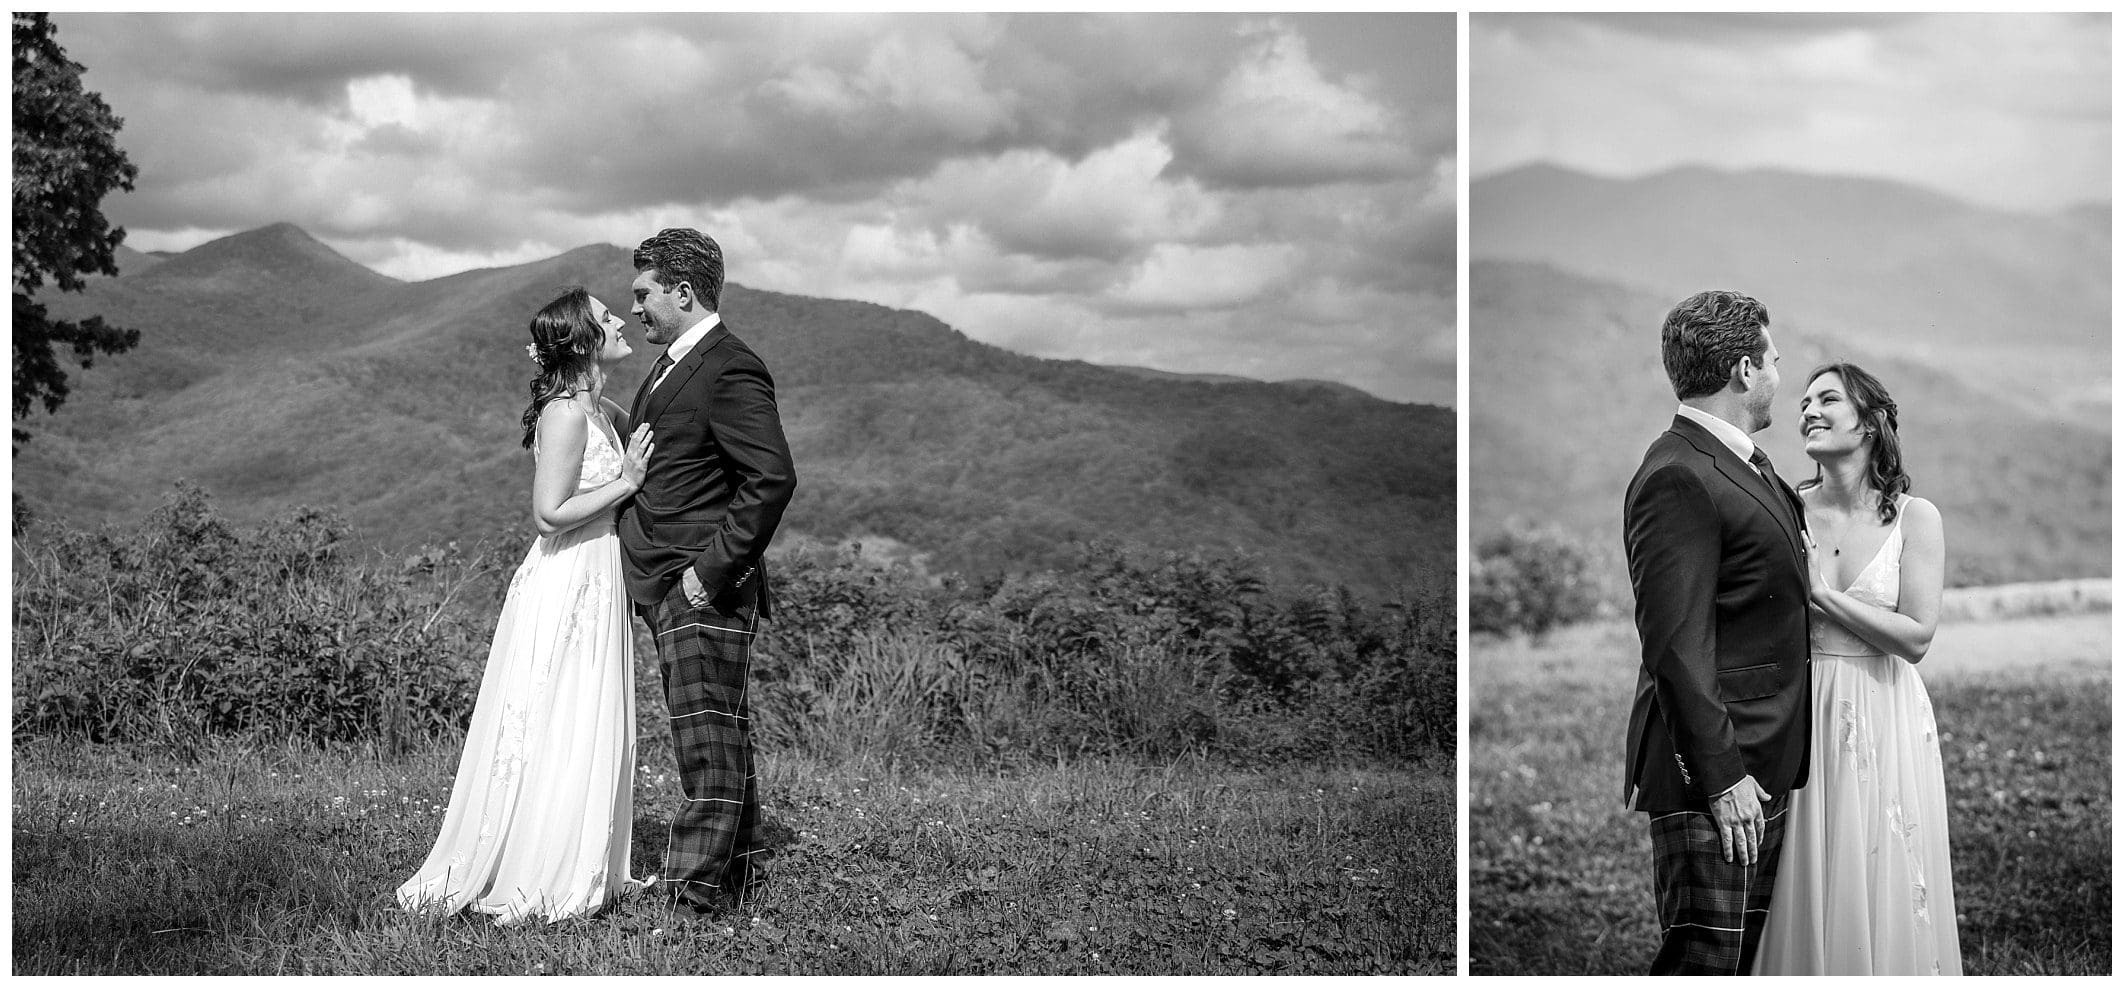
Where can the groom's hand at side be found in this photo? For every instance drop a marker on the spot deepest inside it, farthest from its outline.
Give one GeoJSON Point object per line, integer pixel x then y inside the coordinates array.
{"type": "Point", "coordinates": [1739, 815]}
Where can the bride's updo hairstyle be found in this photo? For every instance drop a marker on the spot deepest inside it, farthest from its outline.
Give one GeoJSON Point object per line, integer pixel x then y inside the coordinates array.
{"type": "Point", "coordinates": [565, 340]}
{"type": "Point", "coordinates": [1876, 414]}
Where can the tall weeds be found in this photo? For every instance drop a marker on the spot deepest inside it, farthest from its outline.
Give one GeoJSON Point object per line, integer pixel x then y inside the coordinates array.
{"type": "Point", "coordinates": [184, 628]}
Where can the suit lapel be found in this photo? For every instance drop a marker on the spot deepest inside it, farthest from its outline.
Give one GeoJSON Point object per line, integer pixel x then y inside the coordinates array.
{"type": "Point", "coordinates": [1744, 475]}
{"type": "Point", "coordinates": [641, 394]}
{"type": "Point", "coordinates": [675, 379]}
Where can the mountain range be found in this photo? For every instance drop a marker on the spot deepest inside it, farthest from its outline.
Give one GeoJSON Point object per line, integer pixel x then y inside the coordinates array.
{"type": "Point", "coordinates": [274, 372]}
{"type": "Point", "coordinates": [1990, 329]}
{"type": "Point", "coordinates": [2013, 302]}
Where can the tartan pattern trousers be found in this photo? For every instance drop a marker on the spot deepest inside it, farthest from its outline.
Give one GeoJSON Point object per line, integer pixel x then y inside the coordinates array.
{"type": "Point", "coordinates": [1711, 911]}
{"type": "Point", "coordinates": [705, 654]}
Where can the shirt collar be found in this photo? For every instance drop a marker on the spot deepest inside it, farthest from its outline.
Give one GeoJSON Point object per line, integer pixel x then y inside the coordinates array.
{"type": "Point", "coordinates": [684, 345]}
{"type": "Point", "coordinates": [1726, 432]}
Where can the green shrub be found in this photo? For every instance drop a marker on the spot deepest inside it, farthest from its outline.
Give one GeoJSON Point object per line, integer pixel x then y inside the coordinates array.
{"type": "Point", "coordinates": [1127, 652]}
{"type": "Point", "coordinates": [1529, 579]}
{"type": "Point", "coordinates": [187, 627]}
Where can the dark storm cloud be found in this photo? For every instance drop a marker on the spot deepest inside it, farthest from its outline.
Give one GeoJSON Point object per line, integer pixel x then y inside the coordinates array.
{"type": "Point", "coordinates": [1705, 27]}
{"type": "Point", "coordinates": [751, 110]}
{"type": "Point", "coordinates": [308, 58]}
{"type": "Point", "coordinates": [1028, 171]}
{"type": "Point", "coordinates": [2007, 110]}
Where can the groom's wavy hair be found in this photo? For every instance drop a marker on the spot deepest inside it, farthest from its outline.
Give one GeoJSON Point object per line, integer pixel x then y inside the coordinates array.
{"type": "Point", "coordinates": [1876, 413]}
{"type": "Point", "coordinates": [682, 254]}
{"type": "Point", "coordinates": [1705, 334]}
{"type": "Point", "coordinates": [565, 340]}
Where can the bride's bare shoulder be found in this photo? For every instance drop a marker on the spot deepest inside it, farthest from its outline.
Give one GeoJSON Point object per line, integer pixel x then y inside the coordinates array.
{"type": "Point", "coordinates": [562, 409]}
{"type": "Point", "coordinates": [563, 419]}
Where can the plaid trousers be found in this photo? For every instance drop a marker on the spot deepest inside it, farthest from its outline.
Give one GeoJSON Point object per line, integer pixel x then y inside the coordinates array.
{"type": "Point", "coordinates": [705, 654]}
{"type": "Point", "coordinates": [1711, 911]}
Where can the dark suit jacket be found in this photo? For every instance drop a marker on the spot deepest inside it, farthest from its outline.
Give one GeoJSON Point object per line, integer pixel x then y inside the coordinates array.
{"type": "Point", "coordinates": [718, 481]}
{"type": "Point", "coordinates": [1718, 567]}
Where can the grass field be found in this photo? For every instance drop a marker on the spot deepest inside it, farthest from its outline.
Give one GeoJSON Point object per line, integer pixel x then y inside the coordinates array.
{"type": "Point", "coordinates": [1560, 871]}
{"type": "Point", "coordinates": [250, 860]}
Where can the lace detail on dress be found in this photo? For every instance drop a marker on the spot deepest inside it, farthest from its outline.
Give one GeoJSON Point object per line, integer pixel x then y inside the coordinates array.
{"type": "Point", "coordinates": [1905, 828]}
{"type": "Point", "coordinates": [1855, 739]}
{"type": "Point", "coordinates": [601, 457]}
{"type": "Point", "coordinates": [507, 764]}
{"type": "Point", "coordinates": [601, 454]}
{"type": "Point", "coordinates": [1880, 583]}
{"type": "Point", "coordinates": [592, 598]}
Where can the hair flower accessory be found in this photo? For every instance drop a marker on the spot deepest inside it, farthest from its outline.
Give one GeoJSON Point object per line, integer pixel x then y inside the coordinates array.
{"type": "Point", "coordinates": [531, 351]}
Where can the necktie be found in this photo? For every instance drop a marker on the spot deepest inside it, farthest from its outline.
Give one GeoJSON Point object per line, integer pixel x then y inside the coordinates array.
{"type": "Point", "coordinates": [1761, 461]}
{"type": "Point", "coordinates": [1794, 514]}
{"type": "Point", "coordinates": [656, 373]}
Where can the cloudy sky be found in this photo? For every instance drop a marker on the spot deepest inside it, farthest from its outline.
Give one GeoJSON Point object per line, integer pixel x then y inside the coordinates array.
{"type": "Point", "coordinates": [1263, 195]}
{"type": "Point", "coordinates": [2006, 110]}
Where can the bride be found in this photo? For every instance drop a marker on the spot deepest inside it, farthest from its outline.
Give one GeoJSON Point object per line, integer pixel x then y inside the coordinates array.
{"type": "Point", "coordinates": [1864, 886]}
{"type": "Point", "coordinates": [541, 815]}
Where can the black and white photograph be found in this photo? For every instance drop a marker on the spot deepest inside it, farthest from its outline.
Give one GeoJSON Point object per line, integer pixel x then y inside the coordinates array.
{"type": "Point", "coordinates": [836, 494]}
{"type": "Point", "coordinates": [1789, 467]}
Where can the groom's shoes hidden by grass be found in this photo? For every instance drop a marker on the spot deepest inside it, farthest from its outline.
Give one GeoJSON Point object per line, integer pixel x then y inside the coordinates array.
{"type": "Point", "coordinates": [733, 897]}
{"type": "Point", "coordinates": [747, 878]}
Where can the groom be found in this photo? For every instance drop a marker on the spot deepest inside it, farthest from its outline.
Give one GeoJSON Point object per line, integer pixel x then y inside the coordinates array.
{"type": "Point", "coordinates": [693, 539]}
{"type": "Point", "coordinates": [1718, 731]}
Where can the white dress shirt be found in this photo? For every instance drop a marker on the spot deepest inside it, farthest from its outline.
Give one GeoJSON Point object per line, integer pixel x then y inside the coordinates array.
{"type": "Point", "coordinates": [684, 345]}
{"type": "Point", "coordinates": [1727, 432]}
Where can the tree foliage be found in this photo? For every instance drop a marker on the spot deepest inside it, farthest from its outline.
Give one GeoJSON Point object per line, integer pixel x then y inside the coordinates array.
{"type": "Point", "coordinates": [1530, 579]}
{"type": "Point", "coordinates": [185, 626]}
{"type": "Point", "coordinates": [66, 160]}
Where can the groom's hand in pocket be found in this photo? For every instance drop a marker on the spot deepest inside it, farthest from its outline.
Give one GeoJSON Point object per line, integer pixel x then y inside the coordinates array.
{"type": "Point", "coordinates": [1739, 815]}
{"type": "Point", "coordinates": [696, 593]}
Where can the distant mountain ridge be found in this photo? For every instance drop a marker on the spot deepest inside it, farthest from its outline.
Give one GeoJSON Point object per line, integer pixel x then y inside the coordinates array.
{"type": "Point", "coordinates": [1564, 418]}
{"type": "Point", "coordinates": [2016, 304]}
{"type": "Point", "coordinates": [1295, 382]}
{"type": "Point", "coordinates": [1992, 329]}
{"type": "Point", "coordinates": [275, 371]}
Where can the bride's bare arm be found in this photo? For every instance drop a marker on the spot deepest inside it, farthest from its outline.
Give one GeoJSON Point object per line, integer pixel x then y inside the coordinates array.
{"type": "Point", "coordinates": [563, 432]}
{"type": "Point", "coordinates": [1906, 631]}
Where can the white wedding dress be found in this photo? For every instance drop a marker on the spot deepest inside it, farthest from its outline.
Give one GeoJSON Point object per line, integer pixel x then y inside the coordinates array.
{"type": "Point", "coordinates": [541, 816]}
{"type": "Point", "coordinates": [1863, 884]}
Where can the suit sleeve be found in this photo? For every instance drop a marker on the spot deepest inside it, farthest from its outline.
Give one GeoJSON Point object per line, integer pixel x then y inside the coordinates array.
{"type": "Point", "coordinates": [1674, 550]}
{"type": "Point", "coordinates": [748, 429]}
